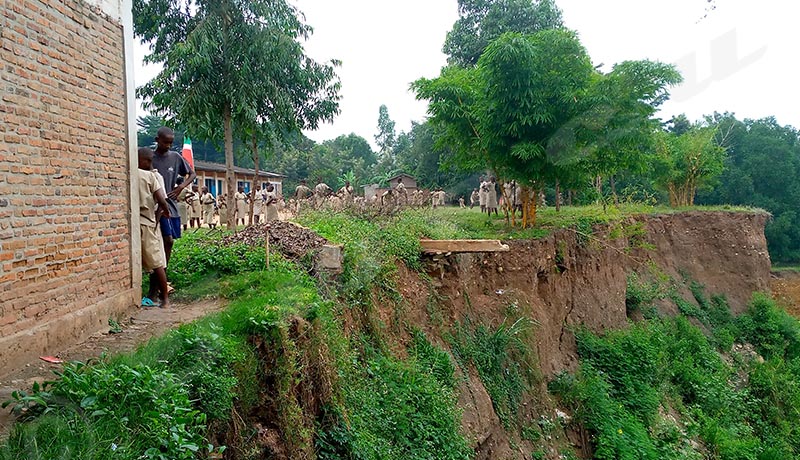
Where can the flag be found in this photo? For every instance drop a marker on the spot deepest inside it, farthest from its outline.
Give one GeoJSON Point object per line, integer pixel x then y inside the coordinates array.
{"type": "Point", "coordinates": [187, 151]}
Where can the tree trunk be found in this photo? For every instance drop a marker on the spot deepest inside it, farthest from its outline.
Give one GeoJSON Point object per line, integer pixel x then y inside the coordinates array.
{"type": "Point", "coordinates": [254, 151]}
{"type": "Point", "coordinates": [570, 195]}
{"type": "Point", "coordinates": [507, 205]}
{"type": "Point", "coordinates": [533, 204]}
{"type": "Point", "coordinates": [614, 189]}
{"type": "Point", "coordinates": [529, 206]}
{"type": "Point", "coordinates": [524, 207]}
{"type": "Point", "coordinates": [230, 177]}
{"type": "Point", "coordinates": [558, 196]}
{"type": "Point", "coordinates": [673, 195]}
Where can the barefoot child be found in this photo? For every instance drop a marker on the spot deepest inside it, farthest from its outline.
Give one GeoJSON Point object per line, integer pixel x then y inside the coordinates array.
{"type": "Point", "coordinates": [151, 194]}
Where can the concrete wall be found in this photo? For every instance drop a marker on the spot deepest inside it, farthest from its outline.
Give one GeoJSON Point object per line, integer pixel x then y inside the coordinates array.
{"type": "Point", "coordinates": [69, 259]}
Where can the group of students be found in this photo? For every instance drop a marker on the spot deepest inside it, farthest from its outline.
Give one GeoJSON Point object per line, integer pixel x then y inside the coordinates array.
{"type": "Point", "coordinates": [195, 204]}
{"type": "Point", "coordinates": [485, 196]}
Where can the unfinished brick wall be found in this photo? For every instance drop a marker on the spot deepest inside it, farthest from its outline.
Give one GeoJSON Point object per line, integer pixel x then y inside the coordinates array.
{"type": "Point", "coordinates": [65, 240]}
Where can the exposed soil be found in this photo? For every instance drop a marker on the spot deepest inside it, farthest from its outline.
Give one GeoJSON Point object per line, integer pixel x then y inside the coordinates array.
{"type": "Point", "coordinates": [136, 330]}
{"type": "Point", "coordinates": [570, 280]}
{"type": "Point", "coordinates": [292, 240]}
{"type": "Point", "coordinates": [786, 291]}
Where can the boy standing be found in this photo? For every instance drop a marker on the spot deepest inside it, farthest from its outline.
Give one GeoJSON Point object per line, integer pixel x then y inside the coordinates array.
{"type": "Point", "coordinates": [152, 206]}
{"type": "Point", "coordinates": [170, 165]}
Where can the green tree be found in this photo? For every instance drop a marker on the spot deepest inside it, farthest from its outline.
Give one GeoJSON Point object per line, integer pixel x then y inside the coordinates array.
{"type": "Point", "coordinates": [504, 113]}
{"type": "Point", "coordinates": [685, 163]}
{"type": "Point", "coordinates": [232, 68]}
{"type": "Point", "coordinates": [481, 21]}
{"type": "Point", "coordinates": [148, 126]}
{"type": "Point", "coordinates": [386, 136]}
{"type": "Point", "coordinates": [620, 124]}
{"type": "Point", "coordinates": [535, 110]}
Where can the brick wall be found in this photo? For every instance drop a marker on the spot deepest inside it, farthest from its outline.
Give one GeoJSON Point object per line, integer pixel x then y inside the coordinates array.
{"type": "Point", "coordinates": [65, 240]}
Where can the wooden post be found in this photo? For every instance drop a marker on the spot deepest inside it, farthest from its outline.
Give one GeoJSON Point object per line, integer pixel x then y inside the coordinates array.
{"type": "Point", "coordinates": [266, 246]}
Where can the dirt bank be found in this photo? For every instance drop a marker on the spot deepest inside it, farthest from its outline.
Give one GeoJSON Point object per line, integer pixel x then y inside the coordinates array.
{"type": "Point", "coordinates": [578, 279]}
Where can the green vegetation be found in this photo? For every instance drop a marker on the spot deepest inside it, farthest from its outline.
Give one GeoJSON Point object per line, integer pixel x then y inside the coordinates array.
{"type": "Point", "coordinates": [762, 166]}
{"type": "Point", "coordinates": [648, 391]}
{"type": "Point", "coordinates": [278, 348]}
{"type": "Point", "coordinates": [503, 361]}
{"type": "Point", "coordinates": [466, 223]}
{"type": "Point", "coordinates": [201, 259]}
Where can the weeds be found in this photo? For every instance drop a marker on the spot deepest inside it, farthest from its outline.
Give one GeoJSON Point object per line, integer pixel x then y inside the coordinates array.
{"type": "Point", "coordinates": [502, 359]}
{"type": "Point", "coordinates": [630, 379]}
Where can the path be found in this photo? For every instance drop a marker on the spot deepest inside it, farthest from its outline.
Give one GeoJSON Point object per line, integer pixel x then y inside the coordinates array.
{"type": "Point", "coordinates": [142, 326]}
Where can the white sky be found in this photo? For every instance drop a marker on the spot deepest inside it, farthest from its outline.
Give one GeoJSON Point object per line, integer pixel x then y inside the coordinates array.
{"type": "Point", "coordinates": [741, 58]}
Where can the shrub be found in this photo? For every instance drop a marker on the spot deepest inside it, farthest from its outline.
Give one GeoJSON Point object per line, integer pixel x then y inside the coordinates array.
{"type": "Point", "coordinates": [146, 413]}
{"type": "Point", "coordinates": [773, 332]}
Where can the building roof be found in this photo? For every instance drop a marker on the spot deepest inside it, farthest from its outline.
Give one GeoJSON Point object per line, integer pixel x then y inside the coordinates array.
{"type": "Point", "coordinates": [217, 167]}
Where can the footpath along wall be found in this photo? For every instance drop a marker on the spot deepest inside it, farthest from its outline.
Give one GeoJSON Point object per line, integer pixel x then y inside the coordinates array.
{"type": "Point", "coordinates": [68, 257]}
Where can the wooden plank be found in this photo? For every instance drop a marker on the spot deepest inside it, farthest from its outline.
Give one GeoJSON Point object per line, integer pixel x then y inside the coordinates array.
{"type": "Point", "coordinates": [444, 246]}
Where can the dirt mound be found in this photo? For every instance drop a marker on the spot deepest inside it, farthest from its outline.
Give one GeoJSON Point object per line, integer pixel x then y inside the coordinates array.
{"type": "Point", "coordinates": [292, 240]}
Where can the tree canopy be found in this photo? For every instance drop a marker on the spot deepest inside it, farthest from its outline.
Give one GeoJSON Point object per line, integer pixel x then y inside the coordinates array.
{"type": "Point", "coordinates": [762, 169]}
{"type": "Point", "coordinates": [535, 110]}
{"type": "Point", "coordinates": [233, 68]}
{"type": "Point", "coordinates": [482, 21]}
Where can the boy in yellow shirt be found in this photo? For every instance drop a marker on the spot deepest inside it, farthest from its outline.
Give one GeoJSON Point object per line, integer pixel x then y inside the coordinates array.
{"type": "Point", "coordinates": [152, 206]}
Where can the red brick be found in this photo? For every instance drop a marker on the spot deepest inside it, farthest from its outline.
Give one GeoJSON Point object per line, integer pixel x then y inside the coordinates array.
{"type": "Point", "coordinates": [62, 81]}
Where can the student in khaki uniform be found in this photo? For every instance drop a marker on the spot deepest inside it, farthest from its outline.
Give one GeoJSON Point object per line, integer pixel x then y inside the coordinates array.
{"type": "Point", "coordinates": [241, 206]}
{"type": "Point", "coordinates": [259, 197]}
{"type": "Point", "coordinates": [491, 197]}
{"type": "Point", "coordinates": [302, 192]}
{"type": "Point", "coordinates": [183, 207]}
{"type": "Point", "coordinates": [152, 206]}
{"type": "Point", "coordinates": [271, 204]}
{"type": "Point", "coordinates": [321, 193]}
{"type": "Point", "coordinates": [207, 201]}
{"type": "Point", "coordinates": [347, 194]}
{"type": "Point", "coordinates": [222, 208]}
{"type": "Point", "coordinates": [194, 207]}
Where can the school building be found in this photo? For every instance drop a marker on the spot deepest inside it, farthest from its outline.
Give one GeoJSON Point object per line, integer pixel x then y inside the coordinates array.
{"type": "Point", "coordinates": [69, 243]}
{"type": "Point", "coordinates": [212, 175]}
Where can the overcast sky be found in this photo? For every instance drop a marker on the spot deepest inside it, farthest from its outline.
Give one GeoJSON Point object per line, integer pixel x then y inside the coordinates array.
{"type": "Point", "coordinates": [741, 58]}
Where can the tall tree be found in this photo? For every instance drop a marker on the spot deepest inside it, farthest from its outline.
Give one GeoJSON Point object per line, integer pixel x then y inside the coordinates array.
{"type": "Point", "coordinates": [232, 68]}
{"type": "Point", "coordinates": [534, 108]}
{"type": "Point", "coordinates": [619, 126]}
{"type": "Point", "coordinates": [504, 113]}
{"type": "Point", "coordinates": [481, 21]}
{"type": "Point", "coordinates": [386, 136]}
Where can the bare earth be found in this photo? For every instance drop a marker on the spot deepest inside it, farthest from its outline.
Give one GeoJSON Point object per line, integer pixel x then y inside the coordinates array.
{"type": "Point", "coordinates": [144, 325]}
{"type": "Point", "coordinates": [786, 291]}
